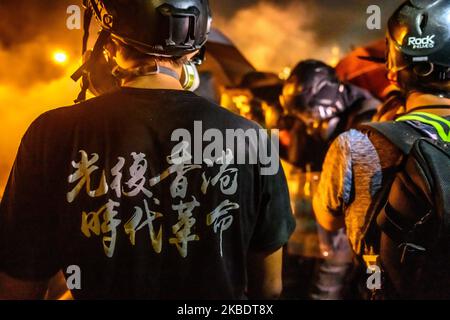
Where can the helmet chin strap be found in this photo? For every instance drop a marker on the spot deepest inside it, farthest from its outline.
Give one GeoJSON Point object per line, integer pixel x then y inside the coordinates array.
{"type": "Point", "coordinates": [142, 71]}
{"type": "Point", "coordinates": [83, 71]}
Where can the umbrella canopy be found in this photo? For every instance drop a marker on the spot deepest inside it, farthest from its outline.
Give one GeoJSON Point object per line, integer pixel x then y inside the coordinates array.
{"type": "Point", "coordinates": [224, 60]}
{"type": "Point", "coordinates": [364, 73]}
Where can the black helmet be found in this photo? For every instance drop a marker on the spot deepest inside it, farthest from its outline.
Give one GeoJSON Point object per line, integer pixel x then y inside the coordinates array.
{"type": "Point", "coordinates": [167, 28]}
{"type": "Point", "coordinates": [163, 27]}
{"type": "Point", "coordinates": [418, 46]}
{"type": "Point", "coordinates": [312, 91]}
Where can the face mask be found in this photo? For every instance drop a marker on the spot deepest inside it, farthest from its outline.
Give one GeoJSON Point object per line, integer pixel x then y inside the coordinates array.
{"type": "Point", "coordinates": [100, 77]}
{"type": "Point", "coordinates": [320, 129]}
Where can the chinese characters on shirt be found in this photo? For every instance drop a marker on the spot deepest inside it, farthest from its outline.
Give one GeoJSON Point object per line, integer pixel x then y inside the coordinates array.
{"type": "Point", "coordinates": [105, 221]}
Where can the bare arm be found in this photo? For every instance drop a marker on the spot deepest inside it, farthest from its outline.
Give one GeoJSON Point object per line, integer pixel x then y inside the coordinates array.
{"type": "Point", "coordinates": [265, 275]}
{"type": "Point", "coordinates": [15, 289]}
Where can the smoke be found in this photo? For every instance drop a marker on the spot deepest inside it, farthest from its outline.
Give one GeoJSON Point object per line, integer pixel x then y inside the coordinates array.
{"type": "Point", "coordinates": [274, 37]}
{"type": "Point", "coordinates": [29, 32]}
{"type": "Point", "coordinates": [18, 109]}
{"type": "Point", "coordinates": [28, 64]}
{"type": "Point", "coordinates": [30, 80]}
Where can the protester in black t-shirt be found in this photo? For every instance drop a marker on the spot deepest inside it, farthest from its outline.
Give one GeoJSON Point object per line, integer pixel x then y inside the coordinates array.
{"type": "Point", "coordinates": [122, 187]}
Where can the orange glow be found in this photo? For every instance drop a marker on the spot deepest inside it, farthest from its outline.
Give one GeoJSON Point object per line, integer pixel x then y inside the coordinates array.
{"type": "Point", "coordinates": [19, 107]}
{"type": "Point", "coordinates": [60, 57]}
{"type": "Point", "coordinates": [285, 73]}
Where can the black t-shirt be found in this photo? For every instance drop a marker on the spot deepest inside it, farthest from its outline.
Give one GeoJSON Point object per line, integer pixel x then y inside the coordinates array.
{"type": "Point", "coordinates": [102, 186]}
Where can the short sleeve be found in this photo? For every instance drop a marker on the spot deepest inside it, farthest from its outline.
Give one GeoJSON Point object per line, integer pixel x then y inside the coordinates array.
{"type": "Point", "coordinates": [336, 181]}
{"type": "Point", "coordinates": [275, 222]}
{"type": "Point", "coordinates": [27, 219]}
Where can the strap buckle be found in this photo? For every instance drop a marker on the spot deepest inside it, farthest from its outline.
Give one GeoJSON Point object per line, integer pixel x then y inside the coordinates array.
{"type": "Point", "coordinates": [410, 248]}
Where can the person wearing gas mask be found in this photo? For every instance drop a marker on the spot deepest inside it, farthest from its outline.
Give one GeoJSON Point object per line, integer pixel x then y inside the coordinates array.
{"type": "Point", "coordinates": [388, 183]}
{"type": "Point", "coordinates": [319, 107]}
{"type": "Point", "coordinates": [112, 187]}
{"type": "Point", "coordinates": [325, 107]}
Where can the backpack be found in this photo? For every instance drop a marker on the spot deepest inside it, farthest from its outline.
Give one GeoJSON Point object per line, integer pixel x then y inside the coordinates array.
{"type": "Point", "coordinates": [407, 238]}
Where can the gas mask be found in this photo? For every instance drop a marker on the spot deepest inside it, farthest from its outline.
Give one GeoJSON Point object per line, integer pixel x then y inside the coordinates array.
{"type": "Point", "coordinates": [321, 128]}
{"type": "Point", "coordinates": [100, 78]}
{"type": "Point", "coordinates": [318, 110]}
{"type": "Point", "coordinates": [104, 74]}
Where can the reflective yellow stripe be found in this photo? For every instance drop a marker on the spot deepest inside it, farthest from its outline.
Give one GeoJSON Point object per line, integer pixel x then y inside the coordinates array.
{"type": "Point", "coordinates": [438, 126]}
{"type": "Point", "coordinates": [434, 117]}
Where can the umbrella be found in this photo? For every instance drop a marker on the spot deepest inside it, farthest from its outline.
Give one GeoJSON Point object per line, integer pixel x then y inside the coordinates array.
{"type": "Point", "coordinates": [224, 60]}
{"type": "Point", "coordinates": [366, 73]}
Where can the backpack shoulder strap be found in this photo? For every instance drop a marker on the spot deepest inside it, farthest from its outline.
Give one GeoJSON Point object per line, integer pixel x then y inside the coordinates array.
{"type": "Point", "coordinates": [402, 135]}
